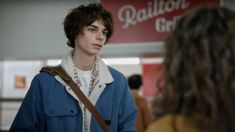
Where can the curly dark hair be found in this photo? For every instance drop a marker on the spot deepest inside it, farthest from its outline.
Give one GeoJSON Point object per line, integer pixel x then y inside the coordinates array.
{"type": "Point", "coordinates": [199, 78]}
{"type": "Point", "coordinates": [83, 16]}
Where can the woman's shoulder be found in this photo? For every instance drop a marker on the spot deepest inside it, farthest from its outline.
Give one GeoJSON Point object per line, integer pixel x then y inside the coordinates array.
{"type": "Point", "coordinates": [165, 124]}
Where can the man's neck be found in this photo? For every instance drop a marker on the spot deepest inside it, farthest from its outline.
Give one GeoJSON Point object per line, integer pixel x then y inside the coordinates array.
{"type": "Point", "coordinates": [82, 61]}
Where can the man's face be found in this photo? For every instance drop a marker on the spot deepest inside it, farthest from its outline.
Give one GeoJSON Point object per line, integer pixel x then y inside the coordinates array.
{"type": "Point", "coordinates": [92, 39]}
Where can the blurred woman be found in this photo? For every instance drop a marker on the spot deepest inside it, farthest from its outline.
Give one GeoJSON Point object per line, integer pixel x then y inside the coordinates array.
{"type": "Point", "coordinates": [199, 80]}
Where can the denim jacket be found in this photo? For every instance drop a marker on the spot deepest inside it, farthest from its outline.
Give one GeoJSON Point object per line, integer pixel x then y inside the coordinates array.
{"type": "Point", "coordinates": [50, 106]}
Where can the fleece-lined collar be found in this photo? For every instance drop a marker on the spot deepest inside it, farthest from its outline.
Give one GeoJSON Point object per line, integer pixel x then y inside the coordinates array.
{"type": "Point", "coordinates": [104, 75]}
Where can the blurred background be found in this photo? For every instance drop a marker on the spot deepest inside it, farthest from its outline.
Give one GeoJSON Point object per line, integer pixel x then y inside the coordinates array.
{"type": "Point", "coordinates": [32, 36]}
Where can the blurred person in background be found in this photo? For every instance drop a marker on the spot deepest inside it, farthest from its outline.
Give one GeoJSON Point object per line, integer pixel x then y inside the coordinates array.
{"type": "Point", "coordinates": [199, 78]}
{"type": "Point", "coordinates": [144, 117]}
{"type": "Point", "coordinates": [51, 106]}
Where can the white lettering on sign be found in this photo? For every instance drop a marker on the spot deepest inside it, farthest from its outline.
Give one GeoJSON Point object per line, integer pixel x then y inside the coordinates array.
{"type": "Point", "coordinates": [129, 15]}
{"type": "Point", "coordinates": [163, 25]}
{"type": "Point", "coordinates": [126, 15]}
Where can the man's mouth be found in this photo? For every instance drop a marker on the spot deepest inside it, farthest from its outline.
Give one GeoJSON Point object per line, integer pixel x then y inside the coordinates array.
{"type": "Point", "coordinates": [97, 45]}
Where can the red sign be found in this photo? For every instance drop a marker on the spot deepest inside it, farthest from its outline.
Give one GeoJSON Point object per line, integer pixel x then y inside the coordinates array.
{"type": "Point", "coordinates": [151, 77]}
{"type": "Point", "coordinates": [147, 20]}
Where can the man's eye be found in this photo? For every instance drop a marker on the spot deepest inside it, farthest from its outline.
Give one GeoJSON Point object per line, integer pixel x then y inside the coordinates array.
{"type": "Point", "coordinates": [92, 29]}
{"type": "Point", "coordinates": [105, 32]}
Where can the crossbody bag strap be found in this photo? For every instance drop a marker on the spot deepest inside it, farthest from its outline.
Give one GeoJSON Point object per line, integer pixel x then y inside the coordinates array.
{"type": "Point", "coordinates": [58, 70]}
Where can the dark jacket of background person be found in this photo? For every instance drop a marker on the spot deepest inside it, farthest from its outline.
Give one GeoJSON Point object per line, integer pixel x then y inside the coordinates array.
{"type": "Point", "coordinates": [199, 73]}
{"type": "Point", "coordinates": [145, 116]}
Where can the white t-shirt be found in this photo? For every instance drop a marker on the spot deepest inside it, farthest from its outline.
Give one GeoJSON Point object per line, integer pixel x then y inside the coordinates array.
{"type": "Point", "coordinates": [85, 77]}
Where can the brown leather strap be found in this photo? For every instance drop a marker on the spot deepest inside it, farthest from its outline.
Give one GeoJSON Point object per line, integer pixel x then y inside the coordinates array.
{"type": "Point", "coordinates": [58, 70]}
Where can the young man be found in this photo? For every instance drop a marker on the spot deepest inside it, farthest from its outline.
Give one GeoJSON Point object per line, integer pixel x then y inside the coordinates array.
{"type": "Point", "coordinates": [50, 104]}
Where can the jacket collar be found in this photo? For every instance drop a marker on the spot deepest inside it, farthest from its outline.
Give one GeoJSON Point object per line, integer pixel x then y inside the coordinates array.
{"type": "Point", "coordinates": [104, 75]}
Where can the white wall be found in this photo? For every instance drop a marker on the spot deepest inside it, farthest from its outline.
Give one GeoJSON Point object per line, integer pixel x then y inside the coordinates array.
{"type": "Point", "coordinates": [33, 28]}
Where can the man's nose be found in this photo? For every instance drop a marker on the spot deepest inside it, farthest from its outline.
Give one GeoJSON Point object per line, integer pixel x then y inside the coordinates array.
{"type": "Point", "coordinates": [100, 36]}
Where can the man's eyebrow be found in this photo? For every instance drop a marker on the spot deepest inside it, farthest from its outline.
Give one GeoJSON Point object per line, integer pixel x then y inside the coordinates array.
{"type": "Point", "coordinates": [94, 26]}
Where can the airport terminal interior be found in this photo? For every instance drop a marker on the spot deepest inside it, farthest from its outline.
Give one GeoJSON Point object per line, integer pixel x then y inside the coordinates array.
{"type": "Point", "coordinates": [32, 36]}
